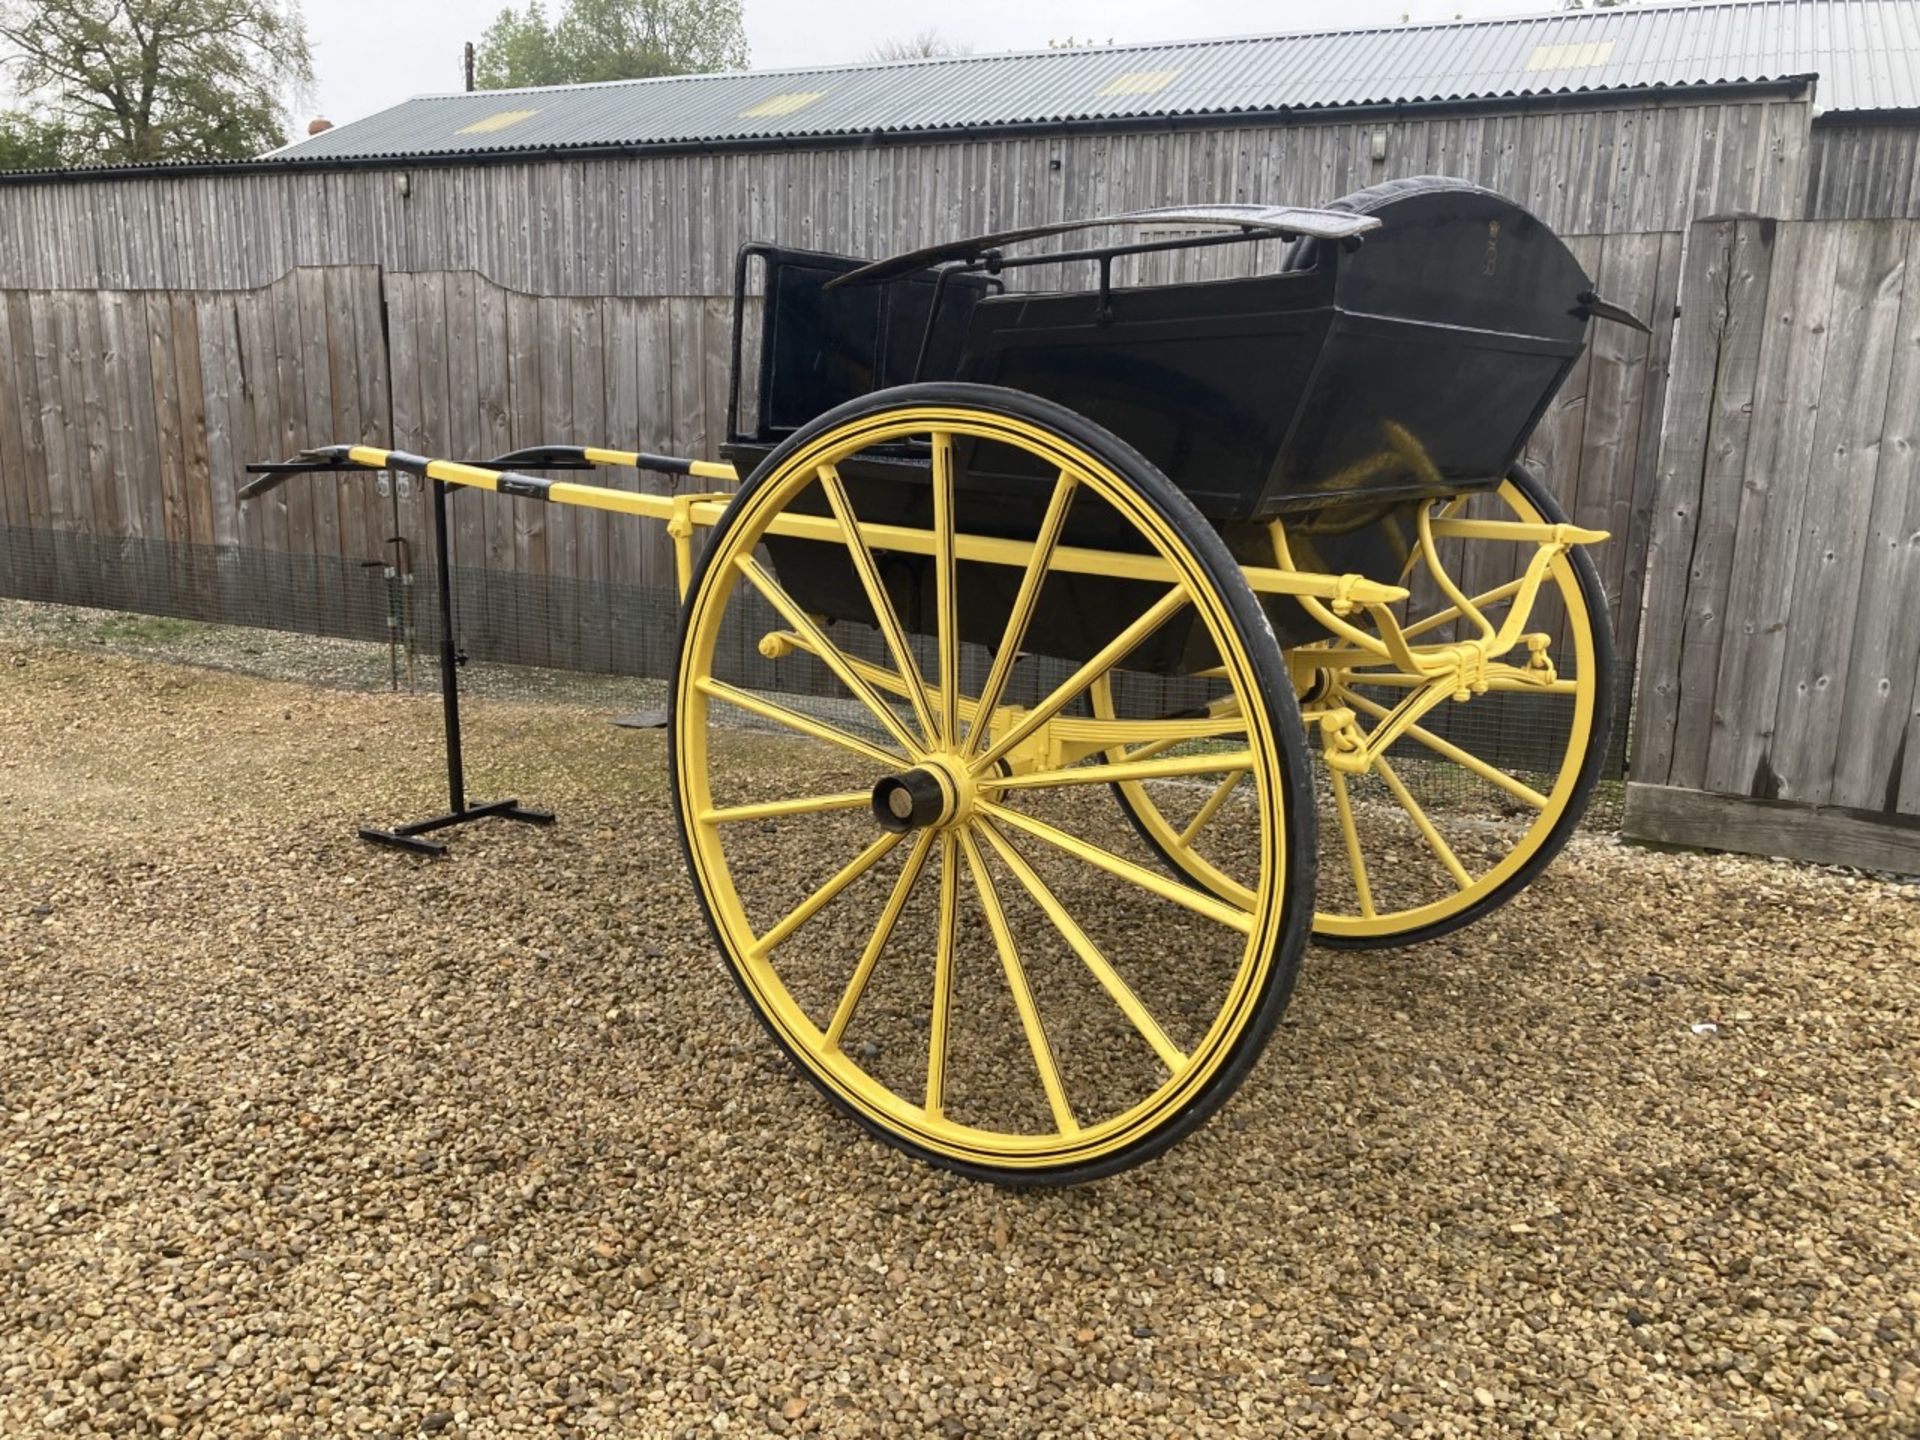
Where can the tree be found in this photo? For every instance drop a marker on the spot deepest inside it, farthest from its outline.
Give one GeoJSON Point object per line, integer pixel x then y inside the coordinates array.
{"type": "Point", "coordinates": [518, 50]}
{"type": "Point", "coordinates": [927, 45]}
{"type": "Point", "coordinates": [29, 143]}
{"type": "Point", "coordinates": [132, 80]}
{"type": "Point", "coordinates": [610, 40]}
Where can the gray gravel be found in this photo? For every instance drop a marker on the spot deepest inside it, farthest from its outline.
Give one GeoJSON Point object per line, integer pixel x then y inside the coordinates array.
{"type": "Point", "coordinates": [297, 1137]}
{"type": "Point", "coordinates": [322, 660]}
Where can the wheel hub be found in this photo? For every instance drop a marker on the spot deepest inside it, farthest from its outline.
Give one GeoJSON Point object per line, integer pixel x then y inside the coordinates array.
{"type": "Point", "coordinates": [930, 794]}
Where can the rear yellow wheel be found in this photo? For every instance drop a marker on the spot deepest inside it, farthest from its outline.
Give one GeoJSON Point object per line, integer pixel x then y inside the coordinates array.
{"type": "Point", "coordinates": [914, 880]}
{"type": "Point", "coordinates": [1461, 812]}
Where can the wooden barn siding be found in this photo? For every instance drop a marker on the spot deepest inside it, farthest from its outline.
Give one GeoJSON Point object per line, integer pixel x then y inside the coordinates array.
{"type": "Point", "coordinates": [101, 444]}
{"type": "Point", "coordinates": [672, 225]}
{"type": "Point", "coordinates": [578, 299]}
{"type": "Point", "coordinates": [1863, 172]}
{"type": "Point", "coordinates": [126, 416]}
{"type": "Point", "coordinates": [480, 370]}
{"type": "Point", "coordinates": [1781, 660]}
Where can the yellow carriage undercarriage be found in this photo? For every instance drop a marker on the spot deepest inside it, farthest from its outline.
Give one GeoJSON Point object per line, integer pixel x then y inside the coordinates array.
{"type": "Point", "coordinates": [1431, 674]}
{"type": "Point", "coordinates": [1006, 717]}
{"type": "Point", "coordinates": [973, 800]}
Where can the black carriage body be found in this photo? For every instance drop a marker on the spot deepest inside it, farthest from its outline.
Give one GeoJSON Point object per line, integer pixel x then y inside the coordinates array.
{"type": "Point", "coordinates": [1339, 392]}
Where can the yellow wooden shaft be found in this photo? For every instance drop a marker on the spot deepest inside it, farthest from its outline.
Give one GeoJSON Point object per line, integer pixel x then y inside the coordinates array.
{"type": "Point", "coordinates": [907, 540]}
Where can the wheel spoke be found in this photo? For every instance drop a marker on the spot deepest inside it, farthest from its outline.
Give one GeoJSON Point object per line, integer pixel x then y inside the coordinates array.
{"type": "Point", "coordinates": [824, 896]}
{"type": "Point", "coordinates": [1356, 861]}
{"type": "Point", "coordinates": [1519, 789]}
{"type": "Point", "coordinates": [1435, 842]}
{"type": "Point", "coordinates": [1037, 1042]}
{"type": "Point", "coordinates": [1021, 614]}
{"type": "Point", "coordinates": [1109, 655]}
{"type": "Point", "coordinates": [885, 616]}
{"type": "Point", "coordinates": [943, 974]}
{"type": "Point", "coordinates": [1147, 751]}
{"type": "Point", "coordinates": [882, 932]}
{"type": "Point", "coordinates": [818, 642]}
{"type": "Point", "coordinates": [947, 617]}
{"type": "Point", "coordinates": [1232, 916]}
{"type": "Point", "coordinates": [1212, 805]}
{"type": "Point", "coordinates": [773, 809]}
{"type": "Point", "coordinates": [794, 720]}
{"type": "Point", "coordinates": [1107, 774]}
{"type": "Point", "coordinates": [1089, 953]}
{"type": "Point", "coordinates": [1453, 612]}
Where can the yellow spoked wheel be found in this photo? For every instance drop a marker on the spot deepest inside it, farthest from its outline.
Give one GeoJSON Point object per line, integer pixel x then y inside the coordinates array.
{"type": "Point", "coordinates": [895, 815]}
{"type": "Point", "coordinates": [1467, 806]}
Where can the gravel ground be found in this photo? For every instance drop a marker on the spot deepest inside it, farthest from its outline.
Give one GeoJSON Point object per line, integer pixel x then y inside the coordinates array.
{"type": "Point", "coordinates": [310, 659]}
{"type": "Point", "coordinates": [298, 1137]}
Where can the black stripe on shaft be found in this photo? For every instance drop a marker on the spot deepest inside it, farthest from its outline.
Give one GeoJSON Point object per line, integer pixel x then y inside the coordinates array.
{"type": "Point", "coordinates": [403, 460]}
{"type": "Point", "coordinates": [527, 485]}
{"type": "Point", "coordinates": [663, 464]}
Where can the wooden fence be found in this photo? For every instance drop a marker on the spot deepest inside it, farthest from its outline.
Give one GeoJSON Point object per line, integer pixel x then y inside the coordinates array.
{"type": "Point", "coordinates": [480, 370]}
{"type": "Point", "coordinates": [1771, 526]}
{"type": "Point", "coordinates": [125, 419]}
{"type": "Point", "coordinates": [131, 413]}
{"type": "Point", "coordinates": [1778, 703]}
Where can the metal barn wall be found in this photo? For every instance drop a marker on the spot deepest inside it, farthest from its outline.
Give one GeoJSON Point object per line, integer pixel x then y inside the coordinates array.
{"type": "Point", "coordinates": [1857, 172]}
{"type": "Point", "coordinates": [671, 225]}
{"type": "Point", "coordinates": [1779, 707]}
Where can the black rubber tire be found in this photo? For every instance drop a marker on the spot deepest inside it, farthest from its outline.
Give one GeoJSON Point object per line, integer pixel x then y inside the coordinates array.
{"type": "Point", "coordinates": [1275, 690]}
{"type": "Point", "coordinates": [1593, 592]}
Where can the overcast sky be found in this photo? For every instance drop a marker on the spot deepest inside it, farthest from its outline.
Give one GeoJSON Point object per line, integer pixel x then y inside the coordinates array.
{"type": "Point", "coordinates": [369, 54]}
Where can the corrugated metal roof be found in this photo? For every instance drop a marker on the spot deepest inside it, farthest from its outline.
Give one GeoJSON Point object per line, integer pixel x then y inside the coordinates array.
{"type": "Point", "coordinates": [1866, 54]}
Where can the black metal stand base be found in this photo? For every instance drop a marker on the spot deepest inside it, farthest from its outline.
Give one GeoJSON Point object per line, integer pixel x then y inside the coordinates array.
{"type": "Point", "coordinates": [336, 458]}
{"type": "Point", "coordinates": [408, 837]}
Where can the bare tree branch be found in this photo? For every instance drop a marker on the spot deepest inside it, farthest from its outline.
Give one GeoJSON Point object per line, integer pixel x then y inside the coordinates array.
{"type": "Point", "coordinates": [131, 80]}
{"type": "Point", "coordinates": [927, 45]}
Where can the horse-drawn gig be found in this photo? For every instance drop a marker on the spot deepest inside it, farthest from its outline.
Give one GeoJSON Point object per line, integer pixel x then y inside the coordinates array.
{"type": "Point", "coordinates": [1054, 663]}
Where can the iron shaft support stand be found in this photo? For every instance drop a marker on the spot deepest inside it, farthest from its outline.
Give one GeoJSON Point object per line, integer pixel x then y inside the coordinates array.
{"type": "Point", "coordinates": [411, 836]}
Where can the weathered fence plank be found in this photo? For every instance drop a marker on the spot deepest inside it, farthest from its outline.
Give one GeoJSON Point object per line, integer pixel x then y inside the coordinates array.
{"type": "Point", "coordinates": [13, 462]}
{"type": "Point", "coordinates": [1781, 667]}
{"type": "Point", "coordinates": [312, 382]}
{"type": "Point", "coordinates": [585, 339]}
{"type": "Point", "coordinates": [1634, 538]}
{"type": "Point", "coordinates": [652, 341]}
{"type": "Point", "coordinates": [1831, 539]}
{"type": "Point", "coordinates": [1825, 834]}
{"type": "Point", "coordinates": [1883, 675]}
{"type": "Point", "coordinates": [461, 435]}
{"type": "Point", "coordinates": [530, 543]}
{"type": "Point", "coordinates": [1786, 407]}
